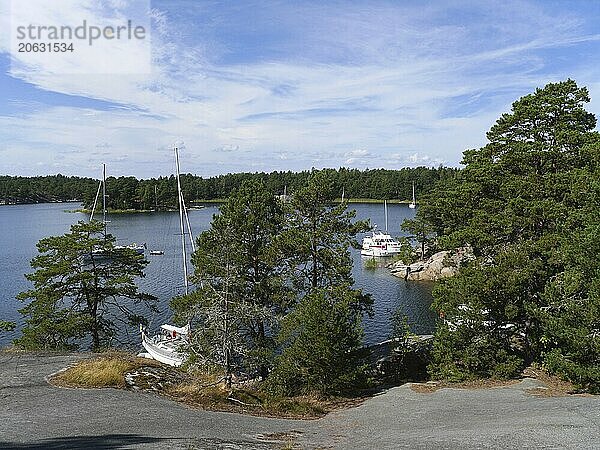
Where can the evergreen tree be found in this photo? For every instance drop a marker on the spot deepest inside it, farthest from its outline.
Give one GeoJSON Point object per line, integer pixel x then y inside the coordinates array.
{"type": "Point", "coordinates": [520, 203]}
{"type": "Point", "coordinates": [421, 232]}
{"type": "Point", "coordinates": [82, 284]}
{"type": "Point", "coordinates": [238, 267]}
{"type": "Point", "coordinates": [570, 342]}
{"type": "Point", "coordinates": [7, 326]}
{"type": "Point", "coordinates": [318, 235]}
{"type": "Point", "coordinates": [322, 339]}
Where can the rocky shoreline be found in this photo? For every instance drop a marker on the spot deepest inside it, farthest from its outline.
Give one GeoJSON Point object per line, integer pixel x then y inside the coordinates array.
{"type": "Point", "coordinates": [444, 264]}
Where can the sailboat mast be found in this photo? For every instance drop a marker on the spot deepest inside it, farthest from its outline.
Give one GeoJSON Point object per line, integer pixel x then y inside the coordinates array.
{"type": "Point", "coordinates": [181, 208]}
{"type": "Point", "coordinates": [413, 192]}
{"type": "Point", "coordinates": [386, 215]}
{"type": "Point", "coordinates": [104, 196]}
{"type": "Point", "coordinates": [95, 201]}
{"type": "Point", "coordinates": [189, 227]}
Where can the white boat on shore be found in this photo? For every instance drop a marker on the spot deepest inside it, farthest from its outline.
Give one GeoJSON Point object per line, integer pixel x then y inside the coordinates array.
{"type": "Point", "coordinates": [167, 346]}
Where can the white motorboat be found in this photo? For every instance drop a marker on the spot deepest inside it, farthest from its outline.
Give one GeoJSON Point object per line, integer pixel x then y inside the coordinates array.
{"type": "Point", "coordinates": [138, 248]}
{"type": "Point", "coordinates": [380, 244]}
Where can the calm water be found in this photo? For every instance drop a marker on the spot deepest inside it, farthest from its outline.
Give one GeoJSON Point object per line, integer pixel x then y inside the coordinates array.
{"type": "Point", "coordinates": [21, 226]}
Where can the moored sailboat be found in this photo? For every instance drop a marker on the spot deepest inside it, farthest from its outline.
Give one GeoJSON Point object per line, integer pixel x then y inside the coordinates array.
{"type": "Point", "coordinates": [413, 204]}
{"type": "Point", "coordinates": [167, 345]}
{"type": "Point", "coordinates": [138, 248]}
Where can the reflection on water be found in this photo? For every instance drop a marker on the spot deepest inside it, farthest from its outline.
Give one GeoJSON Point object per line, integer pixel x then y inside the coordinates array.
{"type": "Point", "coordinates": [23, 225]}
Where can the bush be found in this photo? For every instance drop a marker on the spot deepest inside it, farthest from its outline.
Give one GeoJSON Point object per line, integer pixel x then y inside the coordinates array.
{"type": "Point", "coordinates": [460, 355]}
{"type": "Point", "coordinates": [584, 376]}
{"type": "Point", "coordinates": [322, 353]}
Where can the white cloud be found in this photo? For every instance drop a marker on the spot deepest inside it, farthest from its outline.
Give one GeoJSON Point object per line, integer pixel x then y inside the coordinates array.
{"type": "Point", "coordinates": [83, 24]}
{"type": "Point", "coordinates": [385, 86]}
{"type": "Point", "coordinates": [358, 152]}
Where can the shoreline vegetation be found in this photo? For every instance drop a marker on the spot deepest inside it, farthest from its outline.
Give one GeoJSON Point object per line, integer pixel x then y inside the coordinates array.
{"type": "Point", "coordinates": [122, 370]}
{"type": "Point", "coordinates": [130, 193]}
{"type": "Point", "coordinates": [217, 201]}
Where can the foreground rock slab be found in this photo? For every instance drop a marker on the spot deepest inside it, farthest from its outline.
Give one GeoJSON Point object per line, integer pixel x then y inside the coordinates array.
{"type": "Point", "coordinates": [505, 417]}
{"type": "Point", "coordinates": [36, 415]}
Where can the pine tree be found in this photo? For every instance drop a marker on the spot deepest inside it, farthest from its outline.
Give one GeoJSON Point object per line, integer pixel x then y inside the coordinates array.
{"type": "Point", "coordinates": [242, 290]}
{"type": "Point", "coordinates": [521, 202]}
{"type": "Point", "coordinates": [82, 285]}
{"type": "Point", "coordinates": [321, 338]}
{"type": "Point", "coordinates": [318, 235]}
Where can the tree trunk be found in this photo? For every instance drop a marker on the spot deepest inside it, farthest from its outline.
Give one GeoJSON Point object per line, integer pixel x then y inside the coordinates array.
{"type": "Point", "coordinates": [95, 331]}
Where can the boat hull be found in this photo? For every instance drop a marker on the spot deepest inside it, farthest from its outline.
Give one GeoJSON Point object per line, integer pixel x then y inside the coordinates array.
{"type": "Point", "coordinates": [164, 351]}
{"type": "Point", "coordinates": [380, 245]}
{"type": "Point", "coordinates": [379, 252]}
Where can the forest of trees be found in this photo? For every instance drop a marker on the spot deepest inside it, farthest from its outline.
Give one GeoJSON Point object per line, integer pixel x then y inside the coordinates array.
{"type": "Point", "coordinates": [52, 188]}
{"type": "Point", "coordinates": [161, 193]}
{"type": "Point", "coordinates": [527, 203]}
{"type": "Point", "coordinates": [274, 294]}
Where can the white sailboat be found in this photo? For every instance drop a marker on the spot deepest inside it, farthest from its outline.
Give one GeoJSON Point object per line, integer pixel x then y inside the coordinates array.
{"type": "Point", "coordinates": [138, 248]}
{"type": "Point", "coordinates": [379, 243]}
{"type": "Point", "coordinates": [165, 346]}
{"type": "Point", "coordinates": [413, 204]}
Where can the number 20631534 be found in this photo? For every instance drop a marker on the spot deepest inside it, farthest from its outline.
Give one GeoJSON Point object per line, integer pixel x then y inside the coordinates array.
{"type": "Point", "coordinates": [45, 47]}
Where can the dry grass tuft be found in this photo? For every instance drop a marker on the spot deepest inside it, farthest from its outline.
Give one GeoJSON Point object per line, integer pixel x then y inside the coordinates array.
{"type": "Point", "coordinates": [210, 393]}
{"type": "Point", "coordinates": [194, 394]}
{"type": "Point", "coordinates": [106, 370]}
{"type": "Point", "coordinates": [424, 388]}
{"type": "Point", "coordinates": [299, 407]}
{"type": "Point", "coordinates": [554, 385]}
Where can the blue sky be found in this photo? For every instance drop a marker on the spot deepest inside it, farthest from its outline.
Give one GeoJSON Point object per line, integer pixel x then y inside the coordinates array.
{"type": "Point", "coordinates": [290, 85]}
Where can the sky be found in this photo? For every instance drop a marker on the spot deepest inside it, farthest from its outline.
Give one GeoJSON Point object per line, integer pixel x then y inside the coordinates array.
{"type": "Point", "coordinates": [245, 86]}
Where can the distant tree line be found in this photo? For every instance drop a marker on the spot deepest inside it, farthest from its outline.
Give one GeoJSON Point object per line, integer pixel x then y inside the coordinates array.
{"type": "Point", "coordinates": [52, 188]}
{"type": "Point", "coordinates": [161, 193]}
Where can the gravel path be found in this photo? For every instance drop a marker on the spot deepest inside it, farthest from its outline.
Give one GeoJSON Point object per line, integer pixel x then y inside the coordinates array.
{"type": "Point", "coordinates": [35, 415]}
